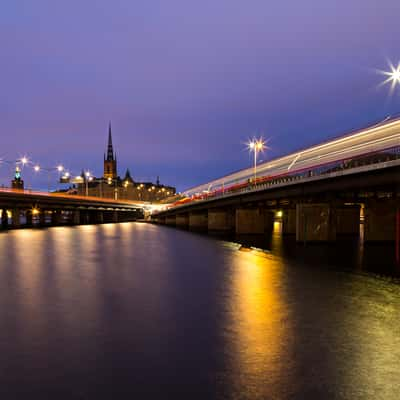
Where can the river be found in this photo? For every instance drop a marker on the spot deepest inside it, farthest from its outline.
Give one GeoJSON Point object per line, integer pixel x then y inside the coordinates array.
{"type": "Point", "coordinates": [134, 310]}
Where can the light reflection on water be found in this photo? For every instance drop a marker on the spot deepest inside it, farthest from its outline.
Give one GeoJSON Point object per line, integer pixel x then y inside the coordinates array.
{"type": "Point", "coordinates": [257, 325]}
{"type": "Point", "coordinates": [134, 310]}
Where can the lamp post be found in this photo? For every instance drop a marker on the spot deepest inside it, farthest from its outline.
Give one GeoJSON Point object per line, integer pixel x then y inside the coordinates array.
{"type": "Point", "coordinates": [87, 177]}
{"type": "Point", "coordinates": [393, 76]}
{"type": "Point", "coordinates": [256, 146]}
{"type": "Point", "coordinates": [38, 168]}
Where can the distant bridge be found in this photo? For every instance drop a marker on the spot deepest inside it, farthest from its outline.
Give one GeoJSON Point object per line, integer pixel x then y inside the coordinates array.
{"type": "Point", "coordinates": [317, 193]}
{"type": "Point", "coordinates": [21, 208]}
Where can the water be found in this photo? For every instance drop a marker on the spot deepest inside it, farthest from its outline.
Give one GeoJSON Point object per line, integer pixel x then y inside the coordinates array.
{"type": "Point", "coordinates": [140, 311]}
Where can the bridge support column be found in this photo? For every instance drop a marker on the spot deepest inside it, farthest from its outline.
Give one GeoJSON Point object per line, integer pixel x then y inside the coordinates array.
{"type": "Point", "coordinates": [16, 215]}
{"type": "Point", "coordinates": [254, 221]}
{"type": "Point", "coordinates": [182, 220]}
{"type": "Point", "coordinates": [198, 221]}
{"type": "Point", "coordinates": [84, 217]}
{"type": "Point", "coordinates": [28, 218]}
{"type": "Point", "coordinates": [4, 219]}
{"type": "Point", "coordinates": [42, 217]}
{"type": "Point", "coordinates": [170, 220]}
{"type": "Point", "coordinates": [99, 216]}
{"type": "Point", "coordinates": [315, 223]}
{"type": "Point", "coordinates": [221, 220]}
{"type": "Point", "coordinates": [76, 217]}
{"type": "Point", "coordinates": [348, 220]}
{"type": "Point", "coordinates": [379, 221]}
{"type": "Point", "coordinates": [160, 220]}
{"type": "Point", "coordinates": [55, 217]}
{"type": "Point", "coordinates": [289, 221]}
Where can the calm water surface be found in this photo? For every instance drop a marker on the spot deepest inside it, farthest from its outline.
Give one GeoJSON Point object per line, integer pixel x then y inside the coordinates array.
{"type": "Point", "coordinates": [139, 311]}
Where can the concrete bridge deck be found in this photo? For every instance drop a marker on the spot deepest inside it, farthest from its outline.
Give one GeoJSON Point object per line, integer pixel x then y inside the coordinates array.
{"type": "Point", "coordinates": [21, 208]}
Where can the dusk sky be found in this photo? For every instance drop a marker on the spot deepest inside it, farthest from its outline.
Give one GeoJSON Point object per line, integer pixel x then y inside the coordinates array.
{"type": "Point", "coordinates": [186, 83]}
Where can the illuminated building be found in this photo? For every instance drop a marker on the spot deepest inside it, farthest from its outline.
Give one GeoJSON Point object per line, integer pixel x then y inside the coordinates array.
{"type": "Point", "coordinates": [111, 185]}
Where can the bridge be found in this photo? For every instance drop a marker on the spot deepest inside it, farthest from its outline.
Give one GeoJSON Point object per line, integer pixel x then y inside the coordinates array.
{"type": "Point", "coordinates": [317, 193]}
{"type": "Point", "coordinates": [27, 208]}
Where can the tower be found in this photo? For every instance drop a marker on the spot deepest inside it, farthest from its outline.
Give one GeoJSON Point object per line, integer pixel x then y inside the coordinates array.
{"type": "Point", "coordinates": [110, 163]}
{"type": "Point", "coordinates": [17, 182]}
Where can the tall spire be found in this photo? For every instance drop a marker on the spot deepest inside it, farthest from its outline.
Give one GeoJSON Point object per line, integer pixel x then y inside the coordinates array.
{"type": "Point", "coordinates": [110, 151]}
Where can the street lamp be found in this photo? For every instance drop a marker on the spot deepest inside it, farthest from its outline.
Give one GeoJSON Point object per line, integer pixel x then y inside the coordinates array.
{"type": "Point", "coordinates": [24, 160]}
{"type": "Point", "coordinates": [393, 76]}
{"type": "Point", "coordinates": [256, 146]}
{"type": "Point", "coordinates": [87, 176]}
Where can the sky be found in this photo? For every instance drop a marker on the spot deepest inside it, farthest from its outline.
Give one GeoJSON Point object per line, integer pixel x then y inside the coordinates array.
{"type": "Point", "coordinates": [187, 83]}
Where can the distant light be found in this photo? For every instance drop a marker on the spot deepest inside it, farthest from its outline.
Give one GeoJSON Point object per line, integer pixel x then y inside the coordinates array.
{"type": "Point", "coordinates": [36, 168]}
{"type": "Point", "coordinates": [60, 168]}
{"type": "Point", "coordinates": [87, 174]}
{"type": "Point", "coordinates": [67, 174]}
{"type": "Point", "coordinates": [35, 211]}
{"type": "Point", "coordinates": [393, 75]}
{"type": "Point", "coordinates": [279, 214]}
{"type": "Point", "coordinates": [24, 160]}
{"type": "Point", "coordinates": [256, 144]}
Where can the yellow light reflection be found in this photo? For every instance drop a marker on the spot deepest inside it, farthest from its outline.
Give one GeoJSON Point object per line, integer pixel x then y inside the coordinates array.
{"type": "Point", "coordinates": [258, 321]}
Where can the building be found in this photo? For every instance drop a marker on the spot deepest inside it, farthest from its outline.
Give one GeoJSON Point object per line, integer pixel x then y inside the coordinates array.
{"type": "Point", "coordinates": [111, 185]}
{"type": "Point", "coordinates": [17, 182]}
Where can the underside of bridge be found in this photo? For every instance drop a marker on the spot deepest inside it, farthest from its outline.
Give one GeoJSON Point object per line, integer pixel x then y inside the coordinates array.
{"type": "Point", "coordinates": [19, 210]}
{"type": "Point", "coordinates": [367, 206]}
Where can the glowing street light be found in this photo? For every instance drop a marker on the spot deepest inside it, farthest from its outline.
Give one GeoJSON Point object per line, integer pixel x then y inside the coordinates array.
{"type": "Point", "coordinates": [87, 174]}
{"type": "Point", "coordinates": [36, 168]}
{"type": "Point", "coordinates": [60, 168]}
{"type": "Point", "coordinates": [393, 76]}
{"type": "Point", "coordinates": [24, 160]}
{"type": "Point", "coordinates": [256, 146]}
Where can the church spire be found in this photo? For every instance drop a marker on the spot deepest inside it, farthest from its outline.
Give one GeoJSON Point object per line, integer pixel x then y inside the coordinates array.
{"type": "Point", "coordinates": [110, 160]}
{"type": "Point", "coordinates": [110, 151]}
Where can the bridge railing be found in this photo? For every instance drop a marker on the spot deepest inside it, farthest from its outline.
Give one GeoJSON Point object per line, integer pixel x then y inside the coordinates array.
{"type": "Point", "coordinates": [4, 189]}
{"type": "Point", "coordinates": [304, 174]}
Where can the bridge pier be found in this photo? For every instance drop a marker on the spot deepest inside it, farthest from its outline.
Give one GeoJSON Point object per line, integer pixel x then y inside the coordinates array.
{"type": "Point", "coordinates": [84, 217]}
{"type": "Point", "coordinates": [55, 217]}
{"type": "Point", "coordinates": [76, 217]}
{"type": "Point", "coordinates": [220, 220]}
{"type": "Point", "coordinates": [315, 222]}
{"type": "Point", "coordinates": [198, 221]}
{"type": "Point", "coordinates": [160, 220]}
{"type": "Point", "coordinates": [253, 221]}
{"type": "Point", "coordinates": [4, 219]}
{"type": "Point", "coordinates": [99, 217]}
{"type": "Point", "coordinates": [379, 221]}
{"type": "Point", "coordinates": [42, 218]}
{"type": "Point", "coordinates": [289, 221]}
{"type": "Point", "coordinates": [16, 215]}
{"type": "Point", "coordinates": [182, 220]}
{"type": "Point", "coordinates": [28, 218]}
{"type": "Point", "coordinates": [348, 220]}
{"type": "Point", "coordinates": [170, 220]}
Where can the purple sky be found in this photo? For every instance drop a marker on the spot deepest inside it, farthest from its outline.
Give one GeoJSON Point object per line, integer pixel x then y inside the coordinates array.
{"type": "Point", "coordinates": [185, 83]}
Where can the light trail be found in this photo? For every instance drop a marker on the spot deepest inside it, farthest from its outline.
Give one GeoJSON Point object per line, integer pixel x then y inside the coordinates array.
{"type": "Point", "coordinates": [374, 139]}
